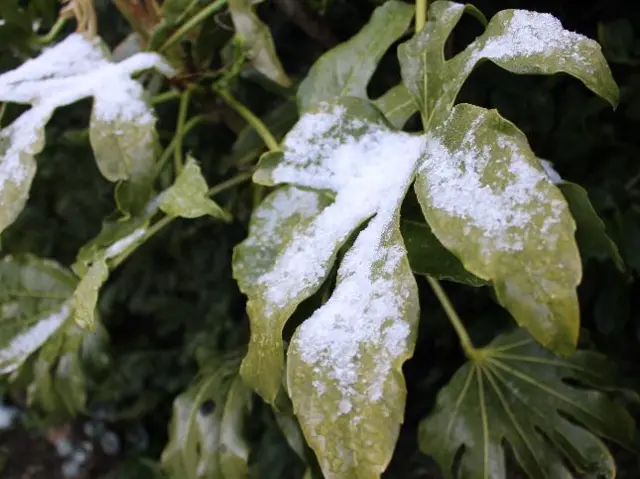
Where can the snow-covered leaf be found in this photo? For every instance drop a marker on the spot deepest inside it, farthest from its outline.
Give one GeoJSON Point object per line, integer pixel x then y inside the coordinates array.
{"type": "Point", "coordinates": [206, 434]}
{"type": "Point", "coordinates": [344, 362]}
{"type": "Point", "coordinates": [256, 36]}
{"type": "Point", "coordinates": [34, 304]}
{"type": "Point", "coordinates": [518, 392]}
{"type": "Point", "coordinates": [346, 69]}
{"type": "Point", "coordinates": [519, 41]}
{"type": "Point", "coordinates": [272, 226]}
{"type": "Point", "coordinates": [188, 196]}
{"type": "Point", "coordinates": [122, 124]}
{"type": "Point", "coordinates": [489, 201]}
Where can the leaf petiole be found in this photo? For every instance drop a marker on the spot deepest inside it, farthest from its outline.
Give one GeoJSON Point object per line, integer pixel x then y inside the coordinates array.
{"type": "Point", "coordinates": [421, 14]}
{"type": "Point", "coordinates": [470, 351]}
{"type": "Point", "coordinates": [53, 33]}
{"type": "Point", "coordinates": [192, 23]}
{"type": "Point", "coordinates": [178, 157]}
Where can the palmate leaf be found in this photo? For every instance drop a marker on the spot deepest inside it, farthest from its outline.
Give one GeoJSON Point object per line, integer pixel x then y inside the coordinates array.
{"type": "Point", "coordinates": [482, 190]}
{"type": "Point", "coordinates": [344, 362]}
{"type": "Point", "coordinates": [346, 69]}
{"type": "Point", "coordinates": [256, 36]}
{"type": "Point", "coordinates": [517, 391]}
{"type": "Point", "coordinates": [122, 126]}
{"type": "Point", "coordinates": [206, 434]}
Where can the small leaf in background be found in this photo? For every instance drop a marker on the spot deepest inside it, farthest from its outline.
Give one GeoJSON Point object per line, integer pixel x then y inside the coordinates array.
{"type": "Point", "coordinates": [122, 124]}
{"type": "Point", "coordinates": [591, 233]}
{"type": "Point", "coordinates": [188, 197]}
{"type": "Point", "coordinates": [346, 69]}
{"type": "Point", "coordinates": [518, 392]}
{"type": "Point", "coordinates": [257, 38]}
{"type": "Point", "coordinates": [344, 362]}
{"type": "Point", "coordinates": [33, 305]}
{"type": "Point", "coordinates": [206, 434]}
{"type": "Point", "coordinates": [489, 201]}
{"type": "Point", "coordinates": [519, 41]}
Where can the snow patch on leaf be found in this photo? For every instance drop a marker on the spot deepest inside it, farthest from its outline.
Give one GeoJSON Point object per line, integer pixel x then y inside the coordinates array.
{"type": "Point", "coordinates": [28, 341]}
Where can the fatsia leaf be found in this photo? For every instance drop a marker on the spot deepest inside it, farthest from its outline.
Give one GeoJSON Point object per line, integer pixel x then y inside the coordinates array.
{"type": "Point", "coordinates": [188, 196]}
{"type": "Point", "coordinates": [273, 224]}
{"type": "Point", "coordinates": [519, 41]}
{"type": "Point", "coordinates": [344, 362]}
{"type": "Point", "coordinates": [206, 434]}
{"type": "Point", "coordinates": [122, 124]}
{"type": "Point", "coordinates": [257, 37]}
{"type": "Point", "coordinates": [516, 391]}
{"type": "Point", "coordinates": [488, 200]}
{"type": "Point", "coordinates": [34, 304]}
{"type": "Point", "coordinates": [346, 69]}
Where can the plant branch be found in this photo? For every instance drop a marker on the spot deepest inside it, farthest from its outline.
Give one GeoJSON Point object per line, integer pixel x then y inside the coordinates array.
{"type": "Point", "coordinates": [178, 156]}
{"type": "Point", "coordinates": [253, 120]}
{"type": "Point", "coordinates": [192, 23]}
{"type": "Point", "coordinates": [164, 97]}
{"type": "Point", "coordinates": [463, 335]}
{"type": "Point", "coordinates": [167, 152]}
{"type": "Point", "coordinates": [53, 33]}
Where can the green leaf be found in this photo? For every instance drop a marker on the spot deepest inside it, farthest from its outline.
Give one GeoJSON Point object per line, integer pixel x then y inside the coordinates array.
{"type": "Point", "coordinates": [519, 41]}
{"type": "Point", "coordinates": [344, 362]}
{"type": "Point", "coordinates": [518, 392]}
{"type": "Point", "coordinates": [397, 105]}
{"type": "Point", "coordinates": [346, 69]}
{"type": "Point", "coordinates": [488, 200]}
{"type": "Point", "coordinates": [85, 297]}
{"type": "Point", "coordinates": [206, 434]}
{"type": "Point", "coordinates": [122, 124]}
{"type": "Point", "coordinates": [33, 306]}
{"type": "Point", "coordinates": [591, 234]}
{"type": "Point", "coordinates": [273, 224]}
{"type": "Point", "coordinates": [188, 196]}
{"type": "Point", "coordinates": [428, 257]}
{"type": "Point", "coordinates": [257, 37]}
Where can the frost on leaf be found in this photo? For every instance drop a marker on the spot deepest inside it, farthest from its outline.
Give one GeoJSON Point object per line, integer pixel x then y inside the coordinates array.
{"type": "Point", "coordinates": [122, 128]}
{"type": "Point", "coordinates": [519, 41]}
{"type": "Point", "coordinates": [188, 196]}
{"type": "Point", "coordinates": [489, 201]}
{"type": "Point", "coordinates": [33, 306]}
{"type": "Point", "coordinates": [344, 363]}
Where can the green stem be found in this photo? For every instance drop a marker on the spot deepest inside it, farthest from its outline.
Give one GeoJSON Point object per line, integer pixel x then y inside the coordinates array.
{"type": "Point", "coordinates": [193, 122]}
{"type": "Point", "coordinates": [166, 220]}
{"type": "Point", "coordinates": [253, 120]}
{"type": "Point", "coordinates": [463, 335]}
{"type": "Point", "coordinates": [192, 23]}
{"type": "Point", "coordinates": [421, 14]}
{"type": "Point", "coordinates": [178, 157]}
{"type": "Point", "coordinates": [164, 97]}
{"type": "Point", "coordinates": [53, 33]}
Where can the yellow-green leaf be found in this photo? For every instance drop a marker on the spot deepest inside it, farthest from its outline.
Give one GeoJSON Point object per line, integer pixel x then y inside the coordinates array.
{"type": "Point", "coordinates": [519, 41]}
{"type": "Point", "coordinates": [397, 104]}
{"type": "Point", "coordinates": [85, 297]}
{"type": "Point", "coordinates": [518, 392]}
{"type": "Point", "coordinates": [122, 124]}
{"type": "Point", "coordinates": [344, 362]}
{"type": "Point", "coordinates": [346, 69]}
{"type": "Point", "coordinates": [188, 196]}
{"type": "Point", "coordinates": [488, 200]}
{"type": "Point", "coordinates": [273, 224]}
{"type": "Point", "coordinates": [257, 37]}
